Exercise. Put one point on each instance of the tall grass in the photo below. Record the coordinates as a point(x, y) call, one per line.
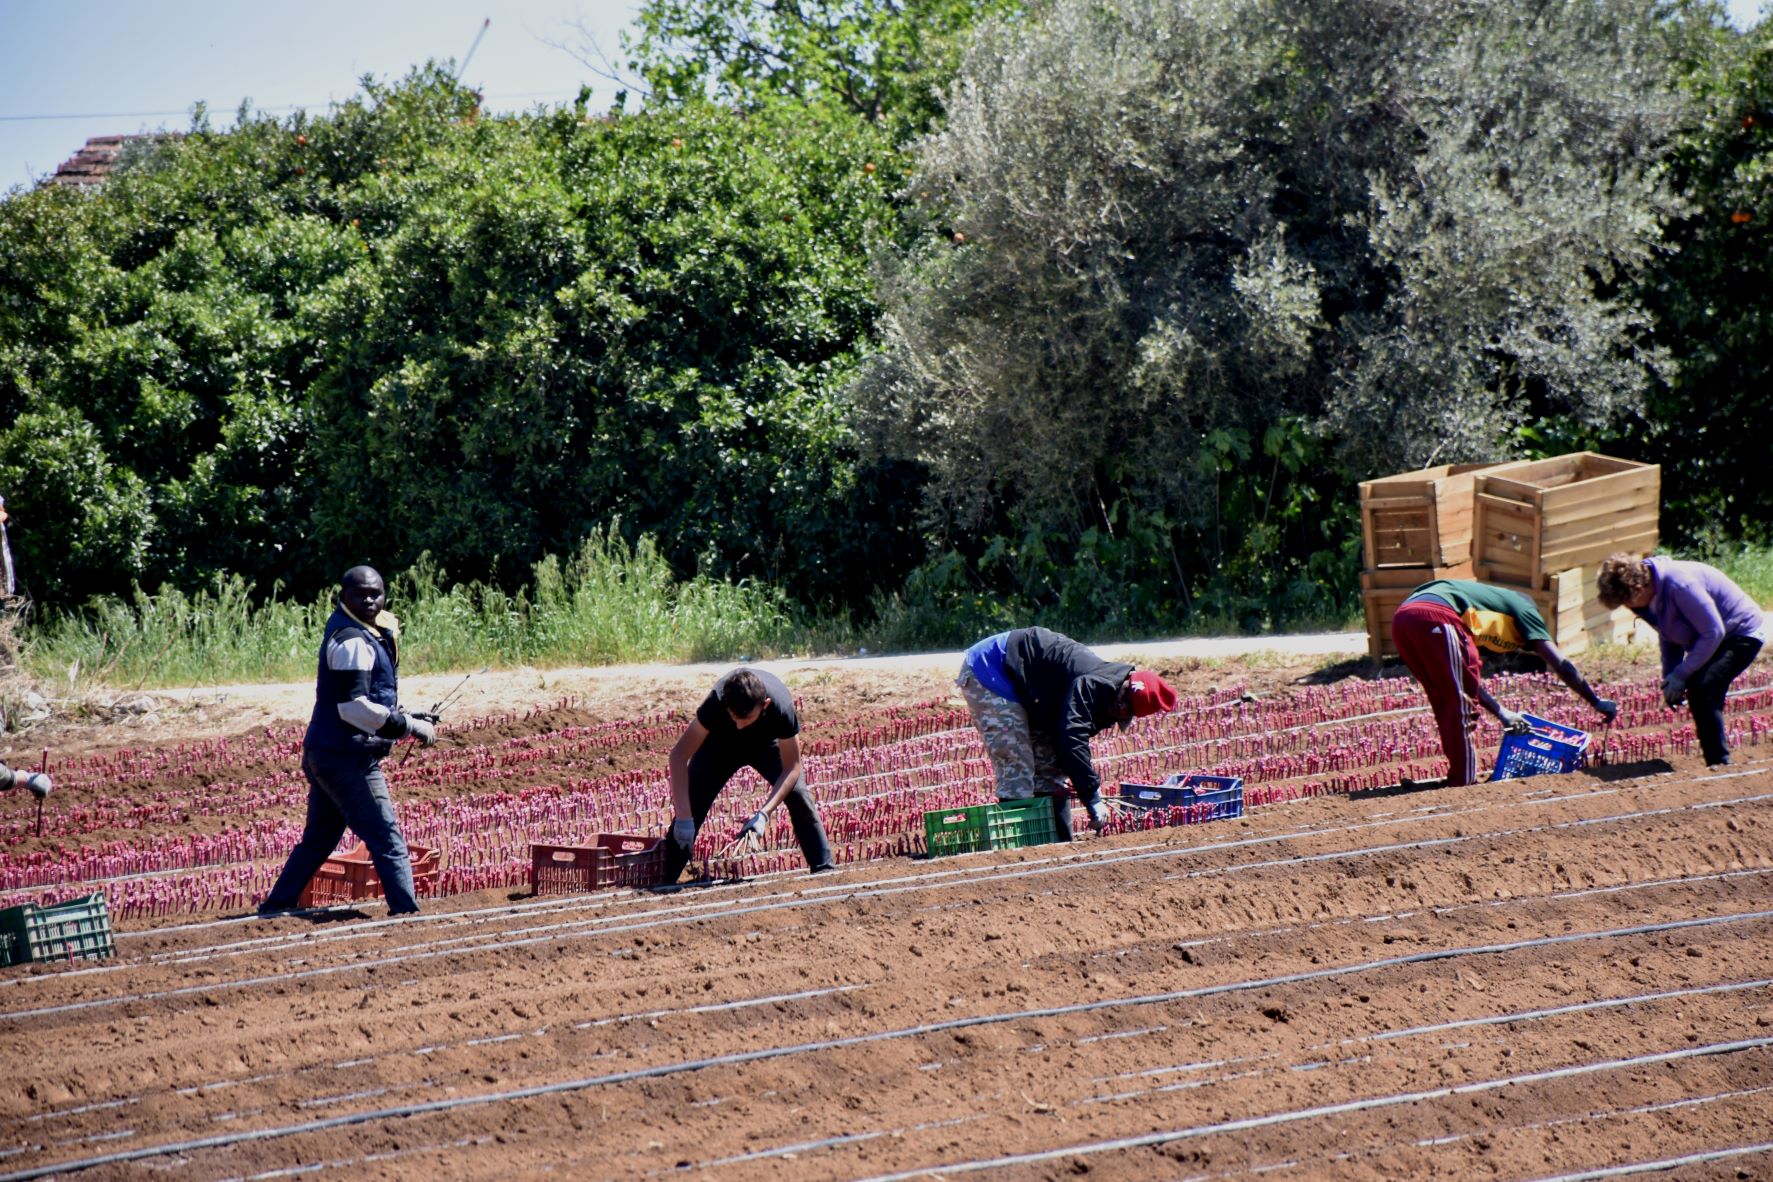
point(1751, 568)
point(609, 603)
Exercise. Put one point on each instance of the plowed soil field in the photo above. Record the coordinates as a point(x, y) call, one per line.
point(1568, 976)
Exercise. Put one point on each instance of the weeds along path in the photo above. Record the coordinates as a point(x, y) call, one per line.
point(1522, 980)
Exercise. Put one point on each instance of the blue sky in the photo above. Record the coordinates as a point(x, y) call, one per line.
point(138, 65)
point(103, 67)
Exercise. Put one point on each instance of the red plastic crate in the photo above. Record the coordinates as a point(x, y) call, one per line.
point(351, 876)
point(630, 861)
point(617, 860)
point(563, 869)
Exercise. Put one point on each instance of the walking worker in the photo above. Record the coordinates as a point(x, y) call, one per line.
point(747, 720)
point(1439, 629)
point(38, 782)
point(1709, 628)
point(356, 722)
point(1038, 698)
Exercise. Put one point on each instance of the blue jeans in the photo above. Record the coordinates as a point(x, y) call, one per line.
point(346, 788)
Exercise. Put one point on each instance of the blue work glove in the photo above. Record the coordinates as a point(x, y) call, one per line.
point(37, 782)
point(1514, 724)
point(1674, 690)
point(754, 827)
point(683, 832)
point(421, 729)
point(1608, 707)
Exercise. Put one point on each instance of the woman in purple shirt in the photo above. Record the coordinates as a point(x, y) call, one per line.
point(1710, 633)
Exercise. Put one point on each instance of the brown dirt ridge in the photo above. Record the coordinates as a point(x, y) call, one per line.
point(1528, 979)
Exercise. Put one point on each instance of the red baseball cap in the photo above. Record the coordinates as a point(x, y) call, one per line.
point(1150, 694)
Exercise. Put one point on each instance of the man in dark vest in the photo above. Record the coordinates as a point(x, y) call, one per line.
point(356, 721)
point(747, 720)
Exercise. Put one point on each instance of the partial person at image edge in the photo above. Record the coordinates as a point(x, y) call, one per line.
point(1709, 629)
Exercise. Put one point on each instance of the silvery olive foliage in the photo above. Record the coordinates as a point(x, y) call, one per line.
point(1155, 229)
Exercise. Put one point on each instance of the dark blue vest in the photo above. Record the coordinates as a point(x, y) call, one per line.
point(326, 730)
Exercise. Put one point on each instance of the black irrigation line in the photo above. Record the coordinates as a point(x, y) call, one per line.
point(751, 1002)
point(661, 1071)
point(438, 949)
point(561, 903)
point(1293, 1116)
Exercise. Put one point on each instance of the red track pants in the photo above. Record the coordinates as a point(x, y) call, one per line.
point(1436, 645)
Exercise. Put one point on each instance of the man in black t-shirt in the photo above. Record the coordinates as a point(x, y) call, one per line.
point(747, 720)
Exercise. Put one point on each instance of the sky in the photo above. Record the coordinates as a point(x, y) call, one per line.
point(70, 69)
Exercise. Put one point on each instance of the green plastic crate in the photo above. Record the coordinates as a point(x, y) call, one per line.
point(79, 929)
point(1005, 825)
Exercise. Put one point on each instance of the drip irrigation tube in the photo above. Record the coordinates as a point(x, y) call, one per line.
point(1322, 1110)
point(1661, 1165)
point(739, 1058)
point(445, 948)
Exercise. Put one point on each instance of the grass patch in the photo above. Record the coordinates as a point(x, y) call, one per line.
point(1751, 568)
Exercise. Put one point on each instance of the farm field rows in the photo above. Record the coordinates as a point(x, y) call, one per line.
point(1526, 979)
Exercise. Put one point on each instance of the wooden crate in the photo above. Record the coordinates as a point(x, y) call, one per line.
point(1540, 517)
point(1419, 519)
point(1573, 612)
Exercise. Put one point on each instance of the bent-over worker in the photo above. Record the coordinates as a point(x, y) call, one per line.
point(356, 721)
point(747, 720)
point(1709, 628)
point(1439, 629)
point(1038, 698)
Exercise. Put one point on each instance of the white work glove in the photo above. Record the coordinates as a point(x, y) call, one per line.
point(1514, 724)
point(1098, 811)
point(754, 827)
point(683, 832)
point(38, 782)
point(425, 732)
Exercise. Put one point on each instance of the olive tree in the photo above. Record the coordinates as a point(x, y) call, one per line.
point(1170, 243)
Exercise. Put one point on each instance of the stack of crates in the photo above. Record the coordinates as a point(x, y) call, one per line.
point(1415, 527)
point(1542, 527)
point(1001, 826)
point(79, 929)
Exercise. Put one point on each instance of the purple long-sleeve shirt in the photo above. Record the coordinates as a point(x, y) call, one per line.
point(1693, 608)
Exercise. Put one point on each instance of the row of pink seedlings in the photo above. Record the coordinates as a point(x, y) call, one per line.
point(1315, 743)
point(1626, 746)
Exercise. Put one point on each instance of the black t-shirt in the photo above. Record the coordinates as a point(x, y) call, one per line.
point(778, 720)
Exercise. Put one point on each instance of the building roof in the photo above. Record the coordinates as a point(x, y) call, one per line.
point(97, 159)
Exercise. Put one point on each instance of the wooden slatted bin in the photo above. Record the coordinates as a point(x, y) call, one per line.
point(1384, 589)
point(1538, 518)
point(1420, 519)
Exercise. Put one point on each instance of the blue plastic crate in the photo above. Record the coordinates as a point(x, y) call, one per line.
point(1208, 797)
point(1550, 749)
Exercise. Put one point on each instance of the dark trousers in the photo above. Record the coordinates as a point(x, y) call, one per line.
point(346, 788)
point(711, 767)
point(1707, 688)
